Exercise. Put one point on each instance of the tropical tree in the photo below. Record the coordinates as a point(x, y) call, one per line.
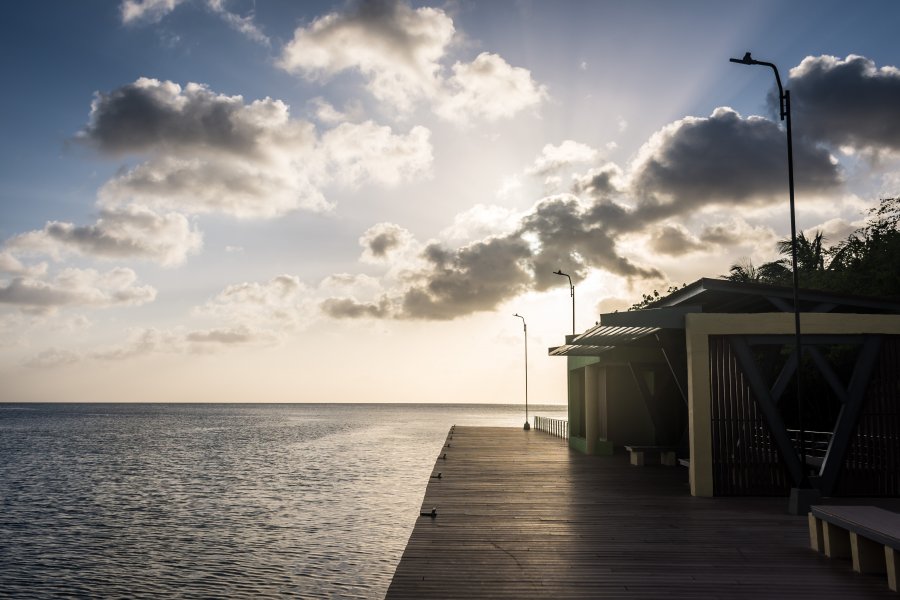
point(866, 263)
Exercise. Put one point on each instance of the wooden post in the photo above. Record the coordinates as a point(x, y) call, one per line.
point(868, 556)
point(815, 534)
point(892, 565)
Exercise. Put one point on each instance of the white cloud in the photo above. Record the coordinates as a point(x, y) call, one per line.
point(125, 232)
point(361, 152)
point(509, 186)
point(327, 113)
point(555, 158)
point(208, 152)
point(278, 304)
point(398, 50)
point(135, 12)
point(479, 222)
point(146, 11)
point(143, 341)
point(52, 358)
point(834, 230)
point(488, 88)
point(11, 265)
point(77, 287)
point(235, 187)
point(203, 341)
point(394, 46)
point(243, 25)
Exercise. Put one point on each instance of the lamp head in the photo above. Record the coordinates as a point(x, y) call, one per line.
point(747, 60)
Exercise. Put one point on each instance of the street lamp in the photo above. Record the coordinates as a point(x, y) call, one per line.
point(784, 102)
point(572, 292)
point(525, 329)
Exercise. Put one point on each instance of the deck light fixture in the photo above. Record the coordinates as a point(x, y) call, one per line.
point(784, 102)
point(572, 293)
point(525, 329)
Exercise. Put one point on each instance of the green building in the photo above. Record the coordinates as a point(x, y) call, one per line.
point(710, 372)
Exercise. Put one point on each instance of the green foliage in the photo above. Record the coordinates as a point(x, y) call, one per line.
point(866, 263)
point(648, 299)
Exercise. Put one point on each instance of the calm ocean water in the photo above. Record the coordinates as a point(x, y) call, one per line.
point(163, 500)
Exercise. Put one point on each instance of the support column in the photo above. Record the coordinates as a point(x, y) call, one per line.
point(699, 411)
point(591, 409)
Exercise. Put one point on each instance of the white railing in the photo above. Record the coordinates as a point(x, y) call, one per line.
point(557, 427)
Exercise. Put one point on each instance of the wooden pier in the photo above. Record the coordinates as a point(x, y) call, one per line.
point(519, 515)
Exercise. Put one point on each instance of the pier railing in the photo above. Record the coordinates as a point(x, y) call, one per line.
point(557, 427)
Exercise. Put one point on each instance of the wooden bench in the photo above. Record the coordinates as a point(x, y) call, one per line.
point(868, 535)
point(666, 454)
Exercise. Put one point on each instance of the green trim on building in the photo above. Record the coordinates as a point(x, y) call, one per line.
point(577, 362)
point(602, 447)
point(579, 444)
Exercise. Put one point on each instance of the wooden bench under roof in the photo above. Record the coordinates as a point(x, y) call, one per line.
point(638, 454)
point(868, 535)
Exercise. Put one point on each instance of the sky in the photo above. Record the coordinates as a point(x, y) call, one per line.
point(277, 201)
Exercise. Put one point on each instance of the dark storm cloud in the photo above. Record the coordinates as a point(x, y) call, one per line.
point(578, 238)
point(847, 101)
point(598, 182)
point(687, 166)
point(696, 162)
point(148, 114)
point(558, 233)
point(470, 279)
point(382, 239)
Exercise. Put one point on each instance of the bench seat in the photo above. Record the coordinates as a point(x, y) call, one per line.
point(868, 535)
point(666, 454)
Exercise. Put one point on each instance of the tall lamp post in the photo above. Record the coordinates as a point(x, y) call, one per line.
point(525, 329)
point(784, 101)
point(572, 292)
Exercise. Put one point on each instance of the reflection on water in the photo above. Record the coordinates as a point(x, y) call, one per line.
point(215, 500)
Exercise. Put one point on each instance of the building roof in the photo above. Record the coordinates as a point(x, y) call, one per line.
point(723, 295)
point(640, 328)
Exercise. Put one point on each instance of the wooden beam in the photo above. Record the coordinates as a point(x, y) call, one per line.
point(849, 414)
point(763, 398)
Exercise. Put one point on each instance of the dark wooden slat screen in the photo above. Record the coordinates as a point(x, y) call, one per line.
point(872, 464)
point(745, 459)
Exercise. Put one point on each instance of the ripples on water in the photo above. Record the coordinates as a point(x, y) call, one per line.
point(215, 500)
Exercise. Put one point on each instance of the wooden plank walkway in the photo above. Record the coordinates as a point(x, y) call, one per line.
point(519, 515)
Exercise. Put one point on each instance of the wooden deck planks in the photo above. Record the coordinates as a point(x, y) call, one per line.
point(519, 515)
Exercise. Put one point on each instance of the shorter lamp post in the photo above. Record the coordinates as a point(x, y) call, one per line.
point(525, 329)
point(572, 293)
